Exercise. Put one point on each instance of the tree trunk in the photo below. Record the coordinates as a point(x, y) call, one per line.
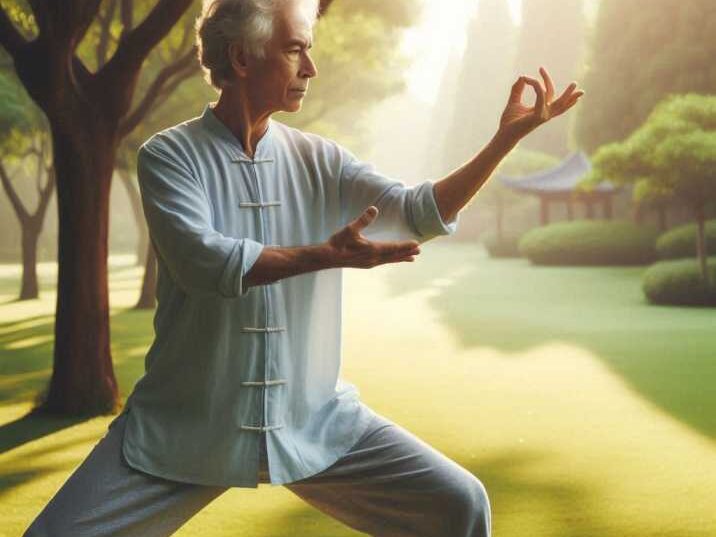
point(701, 244)
point(29, 288)
point(637, 214)
point(663, 223)
point(544, 213)
point(608, 207)
point(89, 112)
point(148, 296)
point(83, 381)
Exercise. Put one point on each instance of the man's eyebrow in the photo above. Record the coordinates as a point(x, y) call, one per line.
point(300, 42)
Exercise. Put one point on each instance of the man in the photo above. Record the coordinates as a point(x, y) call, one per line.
point(252, 222)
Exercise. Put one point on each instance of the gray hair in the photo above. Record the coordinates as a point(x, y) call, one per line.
point(225, 22)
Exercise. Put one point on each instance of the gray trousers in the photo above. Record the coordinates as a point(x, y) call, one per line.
point(390, 483)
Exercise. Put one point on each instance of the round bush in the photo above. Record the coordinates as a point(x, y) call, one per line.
point(680, 241)
point(590, 242)
point(507, 247)
point(679, 282)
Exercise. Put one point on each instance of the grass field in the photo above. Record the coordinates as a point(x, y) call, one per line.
point(584, 410)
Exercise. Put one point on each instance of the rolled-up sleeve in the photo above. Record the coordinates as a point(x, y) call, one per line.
point(201, 260)
point(405, 212)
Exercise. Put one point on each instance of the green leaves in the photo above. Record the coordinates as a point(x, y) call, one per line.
point(672, 153)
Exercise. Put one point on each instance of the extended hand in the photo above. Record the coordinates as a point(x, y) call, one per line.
point(351, 249)
point(519, 120)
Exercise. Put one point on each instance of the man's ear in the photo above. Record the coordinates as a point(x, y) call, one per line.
point(238, 60)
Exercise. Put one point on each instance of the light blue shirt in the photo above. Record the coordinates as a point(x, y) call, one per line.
point(229, 361)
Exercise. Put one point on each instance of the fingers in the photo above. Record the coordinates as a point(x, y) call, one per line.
point(386, 249)
point(548, 84)
point(394, 252)
point(517, 89)
point(543, 104)
point(566, 100)
point(539, 104)
point(399, 257)
point(565, 96)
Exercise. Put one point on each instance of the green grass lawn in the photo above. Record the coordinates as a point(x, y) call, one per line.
point(584, 410)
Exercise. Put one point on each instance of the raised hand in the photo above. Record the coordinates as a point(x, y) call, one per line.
point(351, 249)
point(519, 120)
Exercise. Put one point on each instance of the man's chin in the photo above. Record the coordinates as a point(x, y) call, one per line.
point(294, 107)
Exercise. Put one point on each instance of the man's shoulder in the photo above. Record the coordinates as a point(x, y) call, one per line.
point(309, 144)
point(182, 134)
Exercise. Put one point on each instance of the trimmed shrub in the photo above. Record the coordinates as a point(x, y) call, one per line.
point(680, 241)
point(679, 282)
point(507, 247)
point(590, 242)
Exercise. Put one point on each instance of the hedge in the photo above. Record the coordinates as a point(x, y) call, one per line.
point(507, 247)
point(590, 242)
point(680, 242)
point(679, 282)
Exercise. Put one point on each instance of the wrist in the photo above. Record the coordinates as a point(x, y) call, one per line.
point(505, 140)
point(324, 256)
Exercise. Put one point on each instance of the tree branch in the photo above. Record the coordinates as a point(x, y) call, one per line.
point(17, 206)
point(119, 75)
point(169, 87)
point(40, 168)
point(41, 15)
point(10, 38)
point(126, 15)
point(171, 75)
point(46, 193)
point(64, 23)
point(137, 43)
point(104, 34)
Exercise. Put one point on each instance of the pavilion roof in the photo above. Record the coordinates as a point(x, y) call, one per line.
point(562, 178)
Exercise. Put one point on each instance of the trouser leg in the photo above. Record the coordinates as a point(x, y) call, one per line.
point(392, 484)
point(105, 497)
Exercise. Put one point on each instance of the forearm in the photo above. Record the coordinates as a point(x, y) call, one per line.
point(453, 192)
point(276, 263)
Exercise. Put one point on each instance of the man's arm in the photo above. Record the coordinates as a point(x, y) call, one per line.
point(454, 191)
point(205, 262)
point(201, 260)
point(346, 248)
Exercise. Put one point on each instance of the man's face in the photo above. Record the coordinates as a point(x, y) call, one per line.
point(279, 81)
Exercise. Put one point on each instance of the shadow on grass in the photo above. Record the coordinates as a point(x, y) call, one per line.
point(666, 354)
point(31, 427)
point(13, 475)
point(26, 349)
point(26, 353)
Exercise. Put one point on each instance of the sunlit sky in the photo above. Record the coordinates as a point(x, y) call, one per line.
point(429, 43)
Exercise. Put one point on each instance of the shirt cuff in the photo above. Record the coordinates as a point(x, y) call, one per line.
point(426, 215)
point(242, 258)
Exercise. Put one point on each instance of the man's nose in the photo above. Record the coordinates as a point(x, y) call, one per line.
point(308, 67)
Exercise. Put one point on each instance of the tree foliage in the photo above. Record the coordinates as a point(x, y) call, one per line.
point(673, 154)
point(667, 47)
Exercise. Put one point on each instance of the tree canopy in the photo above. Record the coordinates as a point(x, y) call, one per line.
point(666, 48)
point(673, 154)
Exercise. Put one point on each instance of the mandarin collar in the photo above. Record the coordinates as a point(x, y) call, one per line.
point(232, 144)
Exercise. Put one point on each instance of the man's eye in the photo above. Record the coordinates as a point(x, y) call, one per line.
point(295, 51)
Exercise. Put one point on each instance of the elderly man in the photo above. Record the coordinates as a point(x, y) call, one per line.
point(252, 221)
